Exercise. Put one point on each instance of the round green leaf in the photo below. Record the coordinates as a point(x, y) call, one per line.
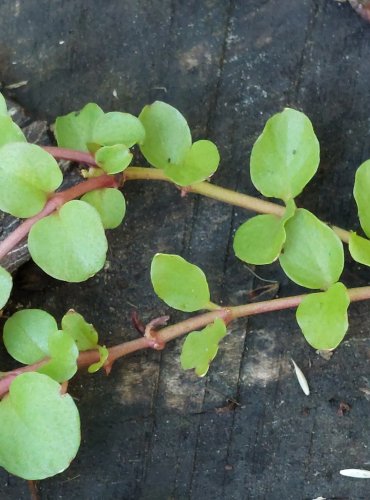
point(83, 333)
point(259, 240)
point(167, 135)
point(6, 285)
point(70, 244)
point(113, 159)
point(27, 333)
point(74, 131)
point(104, 353)
point(9, 131)
point(286, 155)
point(200, 348)
point(63, 352)
point(180, 284)
point(109, 203)
point(322, 317)
point(40, 428)
point(200, 162)
point(118, 128)
point(361, 192)
point(3, 108)
point(313, 254)
point(28, 175)
point(359, 248)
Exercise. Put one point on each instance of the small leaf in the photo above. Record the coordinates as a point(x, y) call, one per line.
point(323, 318)
point(28, 175)
point(27, 333)
point(113, 159)
point(361, 193)
point(74, 131)
point(110, 205)
point(40, 428)
point(104, 353)
point(357, 473)
point(313, 254)
point(286, 155)
point(9, 131)
point(201, 161)
point(6, 285)
point(82, 332)
point(118, 128)
point(69, 245)
point(178, 283)
point(63, 353)
point(3, 108)
point(200, 348)
point(301, 378)
point(359, 248)
point(259, 240)
point(167, 135)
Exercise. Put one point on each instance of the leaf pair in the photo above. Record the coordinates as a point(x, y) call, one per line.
point(168, 146)
point(108, 135)
point(183, 286)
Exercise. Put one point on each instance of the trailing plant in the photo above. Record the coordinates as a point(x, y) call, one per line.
point(40, 428)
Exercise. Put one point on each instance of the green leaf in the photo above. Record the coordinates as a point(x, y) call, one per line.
point(167, 135)
point(361, 192)
point(118, 128)
point(63, 352)
point(83, 333)
point(6, 285)
point(9, 131)
point(104, 353)
point(178, 283)
point(40, 428)
point(109, 203)
point(313, 254)
point(113, 159)
point(27, 333)
point(259, 240)
point(200, 348)
point(290, 210)
point(69, 245)
point(286, 155)
point(359, 248)
point(322, 317)
point(75, 130)
point(28, 175)
point(201, 161)
point(3, 108)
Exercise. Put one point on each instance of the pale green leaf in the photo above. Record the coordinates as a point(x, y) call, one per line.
point(6, 285)
point(3, 107)
point(113, 159)
point(286, 155)
point(200, 162)
point(200, 347)
point(82, 332)
point(322, 317)
point(40, 428)
point(180, 284)
point(70, 244)
point(63, 352)
point(109, 203)
point(313, 254)
point(167, 135)
point(260, 239)
point(28, 175)
point(118, 128)
point(27, 333)
point(104, 353)
point(9, 131)
point(361, 192)
point(74, 131)
point(359, 248)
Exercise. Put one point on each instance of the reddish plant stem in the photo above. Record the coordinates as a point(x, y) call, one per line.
point(55, 202)
point(171, 332)
point(70, 155)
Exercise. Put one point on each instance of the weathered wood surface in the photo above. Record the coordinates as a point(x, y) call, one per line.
point(151, 431)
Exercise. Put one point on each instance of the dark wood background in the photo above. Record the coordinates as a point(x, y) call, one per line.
point(150, 430)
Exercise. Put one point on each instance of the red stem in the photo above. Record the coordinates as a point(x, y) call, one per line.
point(70, 155)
